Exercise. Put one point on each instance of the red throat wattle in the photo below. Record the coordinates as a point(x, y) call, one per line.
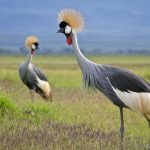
point(69, 40)
point(33, 52)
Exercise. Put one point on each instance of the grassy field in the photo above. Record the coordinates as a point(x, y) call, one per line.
point(76, 118)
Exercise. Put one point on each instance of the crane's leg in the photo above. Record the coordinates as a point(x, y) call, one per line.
point(148, 122)
point(121, 124)
point(32, 95)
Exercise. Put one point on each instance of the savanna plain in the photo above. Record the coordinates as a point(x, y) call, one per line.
point(77, 118)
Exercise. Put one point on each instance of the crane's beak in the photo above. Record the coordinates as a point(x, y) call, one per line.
point(60, 30)
point(37, 48)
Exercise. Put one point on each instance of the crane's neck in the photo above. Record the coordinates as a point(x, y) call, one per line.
point(24, 67)
point(81, 59)
point(28, 60)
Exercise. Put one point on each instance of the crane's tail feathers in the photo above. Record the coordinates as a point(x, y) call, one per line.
point(72, 17)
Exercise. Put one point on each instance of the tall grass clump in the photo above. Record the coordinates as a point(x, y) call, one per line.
point(8, 107)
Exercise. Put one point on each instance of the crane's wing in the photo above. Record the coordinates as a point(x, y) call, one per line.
point(131, 89)
point(125, 80)
point(39, 73)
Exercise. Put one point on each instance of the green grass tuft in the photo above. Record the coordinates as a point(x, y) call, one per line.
point(8, 107)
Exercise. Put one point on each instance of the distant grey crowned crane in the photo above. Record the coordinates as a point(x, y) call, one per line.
point(122, 87)
point(32, 76)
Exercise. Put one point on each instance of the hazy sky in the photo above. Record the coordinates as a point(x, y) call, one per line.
point(110, 23)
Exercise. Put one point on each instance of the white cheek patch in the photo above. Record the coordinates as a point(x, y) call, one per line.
point(67, 30)
point(33, 46)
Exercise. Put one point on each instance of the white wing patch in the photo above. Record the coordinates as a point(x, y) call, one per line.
point(136, 101)
point(44, 85)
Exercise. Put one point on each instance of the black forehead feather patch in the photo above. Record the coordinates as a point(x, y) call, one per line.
point(63, 24)
point(36, 44)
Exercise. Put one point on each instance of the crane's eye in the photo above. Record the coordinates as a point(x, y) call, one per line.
point(33, 46)
point(67, 29)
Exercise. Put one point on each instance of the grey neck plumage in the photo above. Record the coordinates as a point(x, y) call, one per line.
point(28, 60)
point(90, 70)
point(81, 59)
point(26, 63)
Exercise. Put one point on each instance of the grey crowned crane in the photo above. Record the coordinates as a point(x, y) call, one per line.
point(122, 87)
point(32, 76)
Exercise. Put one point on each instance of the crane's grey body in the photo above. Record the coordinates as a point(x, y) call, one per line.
point(31, 75)
point(28, 75)
point(104, 78)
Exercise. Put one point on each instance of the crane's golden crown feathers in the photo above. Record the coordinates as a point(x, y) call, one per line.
point(72, 17)
point(30, 40)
